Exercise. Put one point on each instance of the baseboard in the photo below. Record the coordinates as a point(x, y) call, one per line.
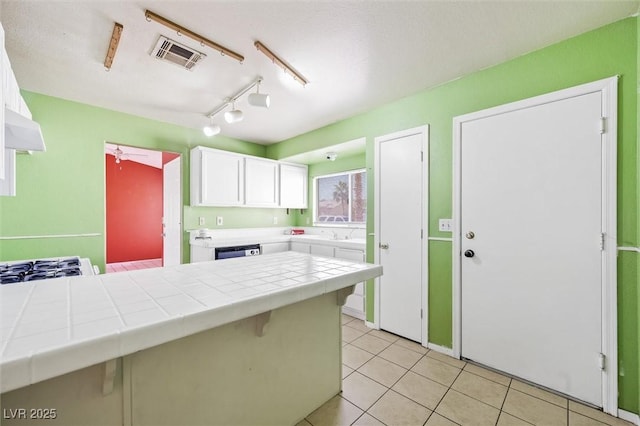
point(371, 325)
point(441, 349)
point(630, 417)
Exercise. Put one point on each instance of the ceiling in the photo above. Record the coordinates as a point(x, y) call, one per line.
point(147, 157)
point(356, 54)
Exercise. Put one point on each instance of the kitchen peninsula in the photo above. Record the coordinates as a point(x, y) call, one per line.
point(254, 340)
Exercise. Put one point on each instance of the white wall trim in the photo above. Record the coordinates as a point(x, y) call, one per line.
point(630, 417)
point(37, 237)
point(424, 131)
point(632, 249)
point(440, 239)
point(441, 349)
point(609, 89)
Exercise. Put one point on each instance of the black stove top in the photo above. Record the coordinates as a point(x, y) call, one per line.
point(32, 270)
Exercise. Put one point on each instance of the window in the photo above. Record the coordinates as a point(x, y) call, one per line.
point(341, 199)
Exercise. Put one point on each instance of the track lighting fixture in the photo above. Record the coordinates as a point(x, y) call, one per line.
point(235, 115)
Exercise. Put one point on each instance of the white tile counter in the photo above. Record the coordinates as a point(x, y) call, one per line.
point(49, 328)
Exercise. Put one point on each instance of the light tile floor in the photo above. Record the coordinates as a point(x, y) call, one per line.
point(391, 381)
point(133, 265)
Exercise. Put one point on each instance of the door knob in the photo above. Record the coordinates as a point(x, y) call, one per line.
point(383, 246)
point(470, 235)
point(469, 253)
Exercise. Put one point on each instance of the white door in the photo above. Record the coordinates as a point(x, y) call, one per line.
point(401, 207)
point(171, 206)
point(531, 292)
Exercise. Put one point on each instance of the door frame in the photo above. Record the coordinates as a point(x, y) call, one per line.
point(180, 198)
point(178, 205)
point(609, 89)
point(424, 268)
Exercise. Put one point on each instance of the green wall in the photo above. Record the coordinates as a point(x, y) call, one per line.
point(62, 190)
point(605, 52)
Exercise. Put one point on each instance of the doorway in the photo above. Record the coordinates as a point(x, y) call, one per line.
point(143, 208)
point(401, 208)
point(535, 241)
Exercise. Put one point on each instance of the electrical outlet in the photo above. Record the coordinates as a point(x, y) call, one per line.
point(201, 220)
point(275, 220)
point(444, 225)
point(219, 221)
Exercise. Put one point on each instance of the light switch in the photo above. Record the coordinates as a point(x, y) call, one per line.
point(201, 220)
point(444, 225)
point(275, 220)
point(219, 221)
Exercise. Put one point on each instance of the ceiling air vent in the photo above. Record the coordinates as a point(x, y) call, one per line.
point(176, 53)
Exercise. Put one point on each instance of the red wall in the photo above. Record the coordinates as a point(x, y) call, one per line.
point(134, 211)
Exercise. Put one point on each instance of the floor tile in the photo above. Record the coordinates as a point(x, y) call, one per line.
point(488, 374)
point(359, 325)
point(346, 371)
point(597, 414)
point(534, 410)
point(336, 411)
point(539, 393)
point(482, 389)
point(446, 359)
point(576, 419)
point(506, 419)
point(382, 371)
point(420, 389)
point(347, 319)
point(368, 420)
point(465, 410)
point(414, 346)
point(350, 334)
point(369, 343)
point(361, 390)
point(395, 409)
point(436, 370)
point(384, 335)
point(437, 420)
point(401, 356)
point(354, 357)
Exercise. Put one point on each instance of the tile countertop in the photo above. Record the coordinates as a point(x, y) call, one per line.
point(52, 327)
point(355, 243)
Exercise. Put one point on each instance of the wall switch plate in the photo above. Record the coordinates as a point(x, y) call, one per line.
point(444, 225)
point(219, 221)
point(275, 220)
point(308, 220)
point(201, 220)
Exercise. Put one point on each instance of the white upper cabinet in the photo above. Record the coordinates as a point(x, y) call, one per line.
point(293, 186)
point(262, 187)
point(3, 154)
point(222, 178)
point(217, 178)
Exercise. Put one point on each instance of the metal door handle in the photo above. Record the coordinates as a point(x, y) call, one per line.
point(469, 253)
point(383, 246)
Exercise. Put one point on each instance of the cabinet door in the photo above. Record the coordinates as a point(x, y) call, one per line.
point(217, 178)
point(300, 247)
point(293, 186)
point(3, 70)
point(262, 183)
point(269, 248)
point(321, 250)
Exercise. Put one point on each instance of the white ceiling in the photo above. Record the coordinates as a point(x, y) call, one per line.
point(356, 54)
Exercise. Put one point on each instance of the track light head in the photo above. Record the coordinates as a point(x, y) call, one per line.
point(233, 116)
point(259, 100)
point(211, 130)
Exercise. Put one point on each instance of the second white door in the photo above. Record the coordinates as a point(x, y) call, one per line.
point(401, 207)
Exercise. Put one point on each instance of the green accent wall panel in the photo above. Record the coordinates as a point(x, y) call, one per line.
point(440, 276)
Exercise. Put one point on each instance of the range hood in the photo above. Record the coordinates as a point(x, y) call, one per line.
point(21, 133)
